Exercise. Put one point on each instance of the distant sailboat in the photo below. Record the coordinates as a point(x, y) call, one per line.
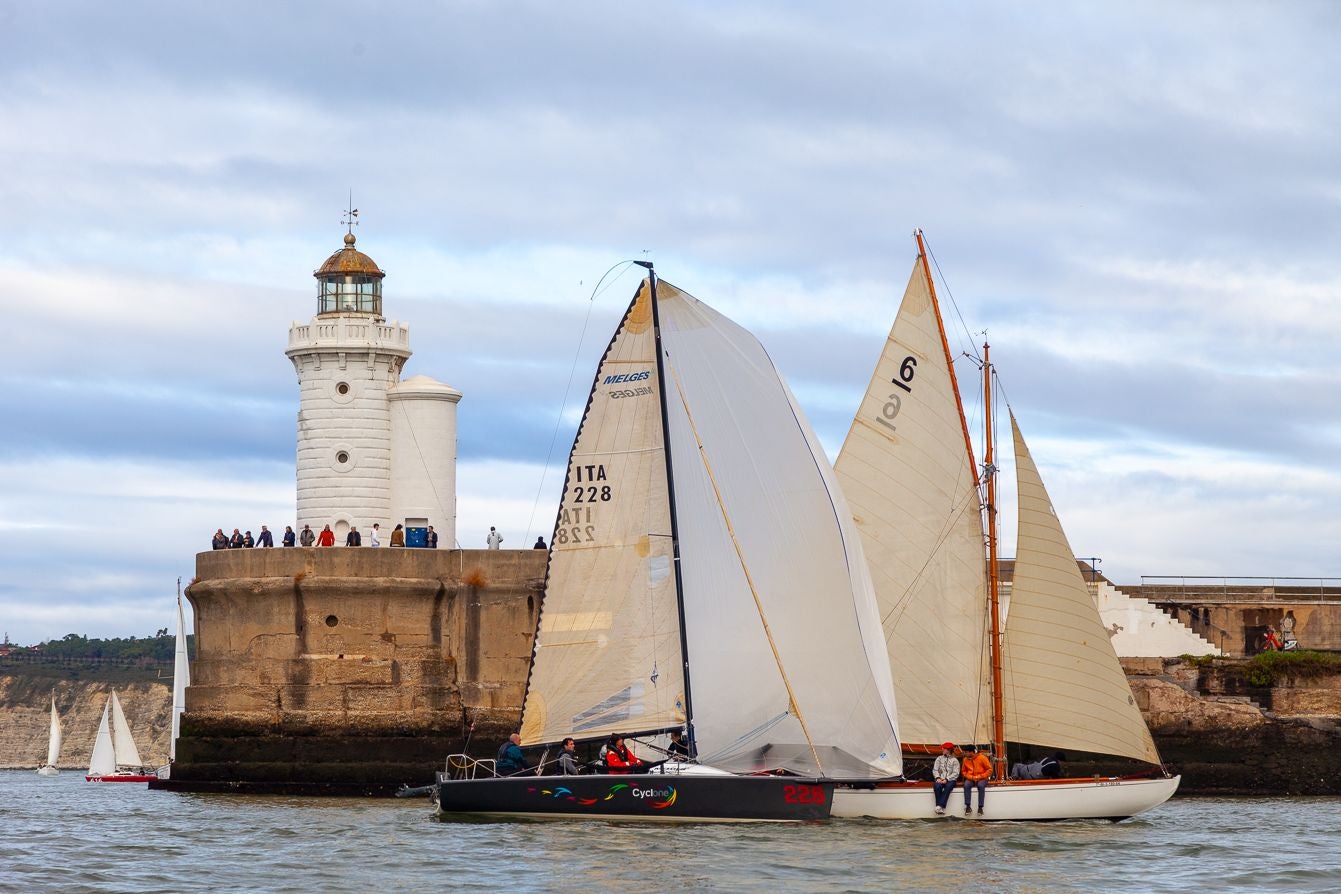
point(115, 757)
point(53, 743)
point(1049, 677)
point(181, 678)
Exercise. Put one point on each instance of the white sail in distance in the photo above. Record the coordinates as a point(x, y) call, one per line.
point(785, 656)
point(181, 678)
point(103, 760)
point(1063, 683)
point(127, 755)
point(906, 471)
point(54, 739)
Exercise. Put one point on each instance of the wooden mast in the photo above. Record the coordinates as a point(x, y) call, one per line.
point(993, 569)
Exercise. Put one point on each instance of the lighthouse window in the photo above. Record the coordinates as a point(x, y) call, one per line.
point(342, 457)
point(350, 294)
point(343, 388)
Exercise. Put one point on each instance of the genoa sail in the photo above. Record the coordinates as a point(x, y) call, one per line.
point(783, 652)
point(910, 481)
point(1063, 683)
point(127, 755)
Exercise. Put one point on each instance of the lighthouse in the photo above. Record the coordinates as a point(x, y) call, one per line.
point(371, 448)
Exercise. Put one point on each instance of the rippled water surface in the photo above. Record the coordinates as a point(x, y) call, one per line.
point(64, 834)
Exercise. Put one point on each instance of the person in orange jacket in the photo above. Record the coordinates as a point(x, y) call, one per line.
point(618, 758)
point(976, 770)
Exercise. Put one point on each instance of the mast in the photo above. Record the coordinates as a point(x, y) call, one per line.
point(674, 522)
point(993, 569)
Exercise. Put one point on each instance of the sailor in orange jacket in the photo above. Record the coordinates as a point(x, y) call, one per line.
point(618, 758)
point(976, 770)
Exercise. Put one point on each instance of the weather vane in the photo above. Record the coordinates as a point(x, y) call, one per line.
point(351, 218)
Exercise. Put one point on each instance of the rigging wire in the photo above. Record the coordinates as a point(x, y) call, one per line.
point(567, 389)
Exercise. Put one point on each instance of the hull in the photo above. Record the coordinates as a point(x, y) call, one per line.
point(1031, 800)
point(642, 796)
point(48, 771)
point(120, 777)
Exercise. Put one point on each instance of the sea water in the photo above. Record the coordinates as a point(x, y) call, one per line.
point(63, 834)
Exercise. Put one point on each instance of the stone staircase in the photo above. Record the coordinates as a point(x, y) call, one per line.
point(1140, 629)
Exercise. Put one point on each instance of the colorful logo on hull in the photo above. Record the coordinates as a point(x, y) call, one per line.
point(656, 798)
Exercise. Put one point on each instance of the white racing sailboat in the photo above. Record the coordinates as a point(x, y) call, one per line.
point(1050, 678)
point(704, 573)
point(53, 743)
point(115, 757)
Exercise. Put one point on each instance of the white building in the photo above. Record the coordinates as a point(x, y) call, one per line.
point(371, 448)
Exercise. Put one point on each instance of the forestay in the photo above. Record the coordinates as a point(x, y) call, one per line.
point(908, 476)
point(1064, 685)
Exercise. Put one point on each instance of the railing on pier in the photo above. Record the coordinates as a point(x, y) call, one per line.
point(1166, 587)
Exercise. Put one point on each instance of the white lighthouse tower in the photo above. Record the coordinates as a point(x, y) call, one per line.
point(371, 449)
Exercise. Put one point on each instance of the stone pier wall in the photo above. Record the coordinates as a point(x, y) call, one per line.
point(352, 669)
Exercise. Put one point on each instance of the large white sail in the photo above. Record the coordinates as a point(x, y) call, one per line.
point(1063, 684)
point(786, 659)
point(908, 476)
point(54, 739)
point(607, 654)
point(127, 755)
point(181, 678)
point(103, 760)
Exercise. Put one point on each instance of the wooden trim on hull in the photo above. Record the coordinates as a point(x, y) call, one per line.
point(644, 797)
point(1032, 800)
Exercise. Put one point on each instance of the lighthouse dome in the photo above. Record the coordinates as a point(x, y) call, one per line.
point(349, 282)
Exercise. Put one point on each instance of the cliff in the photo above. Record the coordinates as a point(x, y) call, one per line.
point(25, 703)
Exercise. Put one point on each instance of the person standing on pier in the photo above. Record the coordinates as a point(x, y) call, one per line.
point(220, 540)
point(944, 772)
point(353, 538)
point(308, 536)
point(266, 540)
point(327, 537)
point(494, 538)
point(375, 536)
point(431, 538)
point(288, 535)
point(398, 536)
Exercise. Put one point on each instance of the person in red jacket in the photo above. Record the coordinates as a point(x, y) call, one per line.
point(326, 537)
point(618, 758)
point(976, 770)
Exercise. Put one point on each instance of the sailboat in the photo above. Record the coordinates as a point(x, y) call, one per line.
point(927, 519)
point(181, 678)
point(115, 757)
point(53, 743)
point(704, 573)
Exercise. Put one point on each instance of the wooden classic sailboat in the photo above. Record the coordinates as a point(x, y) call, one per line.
point(704, 573)
point(1049, 677)
point(115, 757)
point(53, 743)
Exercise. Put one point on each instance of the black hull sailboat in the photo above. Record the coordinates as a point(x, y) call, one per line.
point(642, 796)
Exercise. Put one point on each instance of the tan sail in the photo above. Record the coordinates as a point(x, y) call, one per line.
point(906, 474)
point(1063, 685)
point(607, 654)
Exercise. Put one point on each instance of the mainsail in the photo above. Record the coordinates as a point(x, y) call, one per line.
point(54, 740)
point(1063, 684)
point(783, 662)
point(181, 678)
point(910, 481)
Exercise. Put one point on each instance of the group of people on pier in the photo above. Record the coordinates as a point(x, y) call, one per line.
point(307, 537)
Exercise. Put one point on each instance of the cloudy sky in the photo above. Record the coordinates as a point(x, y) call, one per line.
point(1139, 202)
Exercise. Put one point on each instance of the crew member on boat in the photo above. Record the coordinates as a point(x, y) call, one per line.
point(510, 760)
point(568, 765)
point(618, 758)
point(678, 749)
point(1049, 767)
point(977, 769)
point(944, 772)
